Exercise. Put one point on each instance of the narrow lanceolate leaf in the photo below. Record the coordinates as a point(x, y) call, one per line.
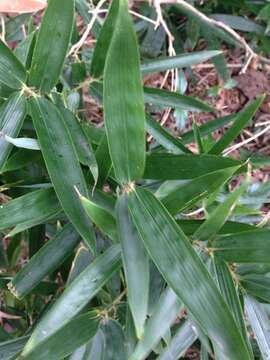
point(166, 98)
point(165, 312)
point(219, 216)
point(29, 210)
point(239, 124)
point(179, 61)
point(52, 44)
point(76, 296)
point(12, 114)
point(164, 166)
point(123, 101)
point(83, 147)
point(12, 72)
point(180, 343)
point(177, 197)
point(9, 349)
point(164, 138)
point(23, 143)
point(114, 341)
point(101, 217)
point(229, 291)
point(257, 286)
point(45, 261)
point(208, 127)
point(185, 273)
point(103, 42)
point(136, 266)
point(65, 340)
point(62, 164)
point(244, 247)
point(260, 325)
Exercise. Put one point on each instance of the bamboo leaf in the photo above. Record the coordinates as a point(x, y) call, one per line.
point(164, 314)
point(209, 127)
point(182, 268)
point(103, 42)
point(52, 44)
point(65, 340)
point(83, 146)
point(114, 341)
point(244, 247)
point(101, 217)
point(257, 285)
point(29, 210)
point(177, 197)
point(190, 226)
point(11, 348)
point(260, 324)
point(239, 124)
point(136, 266)
point(180, 343)
point(229, 292)
point(62, 164)
point(23, 143)
point(165, 139)
point(12, 114)
point(178, 61)
point(123, 101)
point(215, 221)
point(76, 296)
point(166, 98)
point(164, 166)
point(12, 72)
point(45, 261)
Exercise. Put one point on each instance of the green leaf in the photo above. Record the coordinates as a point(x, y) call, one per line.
point(114, 341)
point(165, 312)
point(183, 339)
point(29, 210)
point(52, 44)
point(229, 291)
point(12, 114)
point(101, 217)
point(20, 159)
point(164, 138)
point(76, 296)
point(10, 348)
point(244, 247)
point(239, 124)
point(198, 138)
point(136, 266)
point(12, 72)
point(65, 340)
point(177, 197)
point(62, 164)
point(23, 143)
point(208, 127)
point(217, 218)
point(178, 61)
point(190, 226)
point(45, 261)
point(260, 324)
point(182, 268)
point(167, 98)
point(123, 101)
point(103, 42)
point(83, 146)
point(239, 23)
point(24, 50)
point(257, 285)
point(164, 166)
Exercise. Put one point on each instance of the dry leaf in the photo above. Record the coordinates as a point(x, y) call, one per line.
point(21, 6)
